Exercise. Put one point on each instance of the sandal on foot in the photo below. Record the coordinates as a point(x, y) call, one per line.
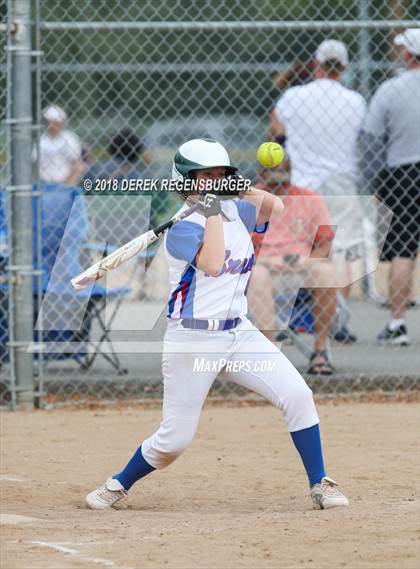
point(322, 367)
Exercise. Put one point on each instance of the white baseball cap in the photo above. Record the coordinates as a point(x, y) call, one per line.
point(410, 39)
point(55, 113)
point(332, 49)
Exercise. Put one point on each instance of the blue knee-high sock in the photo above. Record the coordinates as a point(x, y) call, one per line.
point(308, 444)
point(136, 468)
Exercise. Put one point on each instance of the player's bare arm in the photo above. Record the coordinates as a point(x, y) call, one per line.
point(212, 253)
point(267, 204)
point(77, 170)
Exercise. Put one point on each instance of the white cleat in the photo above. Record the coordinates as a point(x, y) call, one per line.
point(326, 495)
point(106, 496)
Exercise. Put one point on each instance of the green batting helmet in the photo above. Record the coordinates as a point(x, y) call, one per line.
point(200, 154)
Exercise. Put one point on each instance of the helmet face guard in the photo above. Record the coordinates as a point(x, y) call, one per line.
point(202, 154)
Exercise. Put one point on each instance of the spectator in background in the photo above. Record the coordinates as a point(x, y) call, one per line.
point(125, 151)
point(393, 126)
point(299, 73)
point(295, 248)
point(119, 218)
point(320, 123)
point(59, 150)
point(86, 155)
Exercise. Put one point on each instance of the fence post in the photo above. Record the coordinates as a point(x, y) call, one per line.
point(19, 122)
point(364, 49)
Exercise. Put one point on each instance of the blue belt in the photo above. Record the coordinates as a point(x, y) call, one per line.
point(210, 324)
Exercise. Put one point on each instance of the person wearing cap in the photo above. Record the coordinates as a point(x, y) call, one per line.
point(294, 253)
point(59, 150)
point(392, 133)
point(320, 123)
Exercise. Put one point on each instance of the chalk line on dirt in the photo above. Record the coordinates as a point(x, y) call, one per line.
point(76, 552)
point(6, 478)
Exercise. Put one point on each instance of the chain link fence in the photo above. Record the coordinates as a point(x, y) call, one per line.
point(117, 88)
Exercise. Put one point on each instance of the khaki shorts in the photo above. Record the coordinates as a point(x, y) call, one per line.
point(307, 273)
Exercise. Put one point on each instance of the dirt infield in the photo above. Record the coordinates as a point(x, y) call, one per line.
point(237, 498)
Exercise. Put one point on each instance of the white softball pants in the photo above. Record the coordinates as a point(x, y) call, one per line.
point(191, 361)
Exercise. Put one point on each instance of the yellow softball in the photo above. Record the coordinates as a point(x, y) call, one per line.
point(270, 154)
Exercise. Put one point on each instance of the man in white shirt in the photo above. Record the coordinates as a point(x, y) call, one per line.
point(393, 126)
point(321, 123)
point(59, 150)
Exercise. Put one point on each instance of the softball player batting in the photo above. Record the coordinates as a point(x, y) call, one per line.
point(210, 257)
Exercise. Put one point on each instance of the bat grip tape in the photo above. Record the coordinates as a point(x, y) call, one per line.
point(161, 228)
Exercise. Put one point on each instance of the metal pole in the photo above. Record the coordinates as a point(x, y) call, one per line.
point(368, 283)
point(39, 402)
point(364, 50)
point(237, 25)
point(20, 187)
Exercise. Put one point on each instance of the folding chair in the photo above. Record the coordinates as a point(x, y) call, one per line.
point(294, 316)
point(64, 226)
point(77, 343)
point(96, 310)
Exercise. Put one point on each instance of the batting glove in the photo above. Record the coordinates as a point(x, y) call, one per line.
point(209, 204)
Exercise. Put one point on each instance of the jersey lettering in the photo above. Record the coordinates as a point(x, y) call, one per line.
point(235, 266)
